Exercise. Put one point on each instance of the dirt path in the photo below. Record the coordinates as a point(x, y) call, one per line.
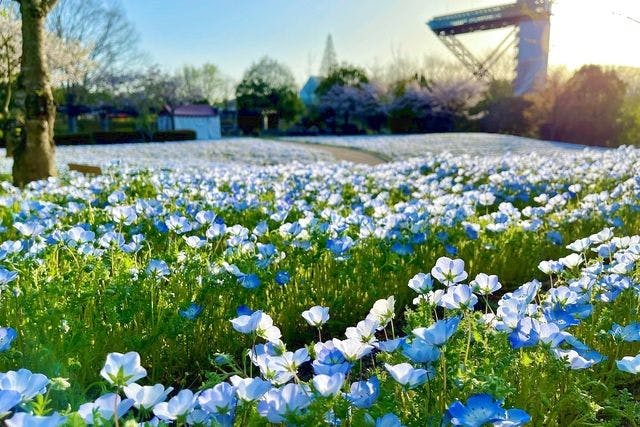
point(343, 153)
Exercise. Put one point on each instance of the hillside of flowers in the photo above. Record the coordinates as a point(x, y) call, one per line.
point(433, 291)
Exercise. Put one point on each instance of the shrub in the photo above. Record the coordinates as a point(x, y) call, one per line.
point(118, 137)
point(174, 135)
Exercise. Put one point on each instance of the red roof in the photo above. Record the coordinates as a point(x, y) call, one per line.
point(200, 110)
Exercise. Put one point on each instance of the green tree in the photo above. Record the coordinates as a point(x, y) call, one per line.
point(502, 111)
point(345, 75)
point(588, 109)
point(268, 88)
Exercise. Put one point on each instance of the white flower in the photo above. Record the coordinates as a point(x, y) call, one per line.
point(123, 369)
point(316, 316)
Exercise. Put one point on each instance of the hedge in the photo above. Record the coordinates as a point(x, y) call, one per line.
point(174, 135)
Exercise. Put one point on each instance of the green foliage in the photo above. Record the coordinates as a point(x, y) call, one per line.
point(346, 75)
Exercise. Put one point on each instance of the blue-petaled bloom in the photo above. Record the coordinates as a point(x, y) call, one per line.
point(402, 249)
point(23, 419)
point(363, 394)
point(525, 334)
point(24, 382)
point(629, 333)
point(8, 400)
point(191, 312)
point(146, 397)
point(278, 404)
point(629, 364)
point(7, 335)
point(282, 277)
point(243, 310)
point(388, 420)
point(123, 369)
point(249, 281)
point(407, 375)
point(421, 283)
point(339, 247)
point(106, 406)
point(459, 297)
point(158, 268)
point(438, 333)
point(7, 276)
point(554, 237)
point(221, 399)
point(482, 409)
point(250, 389)
point(449, 271)
point(316, 316)
point(421, 352)
point(328, 385)
point(178, 406)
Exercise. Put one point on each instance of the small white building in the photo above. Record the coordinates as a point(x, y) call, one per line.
point(204, 120)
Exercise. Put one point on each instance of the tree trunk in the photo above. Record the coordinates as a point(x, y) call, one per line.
point(34, 156)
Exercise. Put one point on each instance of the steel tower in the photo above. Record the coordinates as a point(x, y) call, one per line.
point(531, 25)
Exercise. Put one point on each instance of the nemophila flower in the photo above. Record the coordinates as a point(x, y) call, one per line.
point(104, 408)
point(364, 331)
point(221, 399)
point(177, 407)
point(7, 335)
point(243, 310)
point(421, 283)
point(24, 382)
point(329, 359)
point(402, 249)
point(580, 245)
point(23, 419)
point(279, 404)
point(571, 261)
point(290, 361)
point(340, 246)
point(525, 334)
point(438, 333)
point(486, 199)
point(629, 364)
point(250, 389)
point(316, 316)
point(205, 217)
point(328, 385)
point(158, 268)
point(363, 394)
point(550, 267)
point(8, 400)
point(482, 409)
point(216, 231)
point(449, 271)
point(450, 250)
point(146, 397)
point(471, 230)
point(418, 351)
point(351, 349)
point(383, 310)
point(408, 376)
point(247, 323)
point(554, 237)
point(178, 224)
point(125, 215)
point(248, 281)
point(191, 312)
point(458, 297)
point(602, 236)
point(7, 276)
point(629, 333)
point(282, 277)
point(484, 284)
point(123, 369)
point(580, 356)
point(195, 242)
point(390, 345)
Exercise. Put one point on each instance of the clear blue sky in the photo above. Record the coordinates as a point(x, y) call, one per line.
point(234, 33)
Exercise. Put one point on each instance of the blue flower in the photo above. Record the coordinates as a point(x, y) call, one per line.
point(249, 281)
point(629, 364)
point(402, 249)
point(554, 237)
point(244, 310)
point(339, 247)
point(438, 333)
point(282, 277)
point(191, 312)
point(407, 375)
point(7, 335)
point(629, 333)
point(363, 394)
point(483, 409)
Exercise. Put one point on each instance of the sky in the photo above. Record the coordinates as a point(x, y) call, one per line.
point(235, 33)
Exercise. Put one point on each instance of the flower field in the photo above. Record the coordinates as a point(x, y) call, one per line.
point(438, 290)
